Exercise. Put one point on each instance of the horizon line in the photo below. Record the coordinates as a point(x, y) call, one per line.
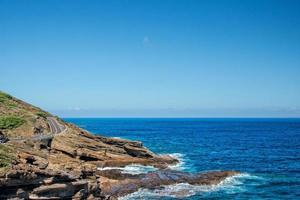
point(166, 117)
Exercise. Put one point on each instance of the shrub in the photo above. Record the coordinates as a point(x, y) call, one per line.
point(4, 97)
point(6, 156)
point(41, 114)
point(10, 122)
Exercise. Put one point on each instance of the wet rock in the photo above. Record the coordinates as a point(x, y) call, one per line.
point(81, 194)
point(21, 194)
point(120, 187)
point(115, 174)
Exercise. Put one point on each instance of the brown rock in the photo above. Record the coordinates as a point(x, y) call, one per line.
point(60, 190)
point(138, 152)
point(40, 162)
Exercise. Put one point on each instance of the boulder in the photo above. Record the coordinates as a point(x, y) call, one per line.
point(38, 130)
point(61, 190)
point(40, 162)
point(22, 194)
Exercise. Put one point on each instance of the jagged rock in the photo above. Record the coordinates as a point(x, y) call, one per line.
point(42, 163)
point(120, 142)
point(38, 130)
point(112, 186)
point(22, 194)
point(34, 176)
point(87, 155)
point(81, 194)
point(94, 189)
point(138, 152)
point(60, 190)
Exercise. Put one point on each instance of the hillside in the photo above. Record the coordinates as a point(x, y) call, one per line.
point(18, 118)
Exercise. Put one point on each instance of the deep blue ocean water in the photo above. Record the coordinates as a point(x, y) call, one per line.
point(266, 151)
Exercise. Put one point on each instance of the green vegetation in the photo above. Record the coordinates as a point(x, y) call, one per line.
point(6, 155)
point(11, 105)
point(6, 100)
point(10, 122)
point(42, 114)
point(4, 97)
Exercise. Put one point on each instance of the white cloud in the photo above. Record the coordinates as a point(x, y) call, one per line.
point(147, 41)
point(74, 108)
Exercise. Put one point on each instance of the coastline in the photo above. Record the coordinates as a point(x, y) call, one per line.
point(66, 165)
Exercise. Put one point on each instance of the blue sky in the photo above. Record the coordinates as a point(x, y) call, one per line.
point(153, 58)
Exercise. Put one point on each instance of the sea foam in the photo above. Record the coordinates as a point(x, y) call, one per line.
point(132, 169)
point(140, 169)
point(180, 166)
point(233, 184)
point(184, 164)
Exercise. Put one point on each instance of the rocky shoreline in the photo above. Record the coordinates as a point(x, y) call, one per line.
point(66, 165)
point(34, 176)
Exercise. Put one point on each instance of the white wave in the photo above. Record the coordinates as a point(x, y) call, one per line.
point(132, 169)
point(233, 184)
point(117, 138)
point(140, 169)
point(181, 165)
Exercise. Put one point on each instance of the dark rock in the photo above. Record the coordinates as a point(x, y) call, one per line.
point(81, 194)
point(22, 194)
point(3, 138)
point(120, 187)
point(38, 130)
point(115, 174)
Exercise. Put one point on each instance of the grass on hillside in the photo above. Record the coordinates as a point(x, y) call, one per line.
point(4, 97)
point(41, 114)
point(6, 100)
point(6, 155)
point(10, 122)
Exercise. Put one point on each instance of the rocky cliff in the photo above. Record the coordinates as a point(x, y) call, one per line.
point(38, 162)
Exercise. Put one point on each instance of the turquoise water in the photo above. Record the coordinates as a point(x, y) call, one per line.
point(266, 151)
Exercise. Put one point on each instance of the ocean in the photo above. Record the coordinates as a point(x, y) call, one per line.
point(265, 151)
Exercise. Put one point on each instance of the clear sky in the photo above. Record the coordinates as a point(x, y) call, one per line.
point(153, 58)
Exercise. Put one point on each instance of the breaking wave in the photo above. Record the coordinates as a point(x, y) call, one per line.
point(132, 169)
point(184, 163)
point(180, 166)
point(231, 185)
point(118, 138)
point(140, 169)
